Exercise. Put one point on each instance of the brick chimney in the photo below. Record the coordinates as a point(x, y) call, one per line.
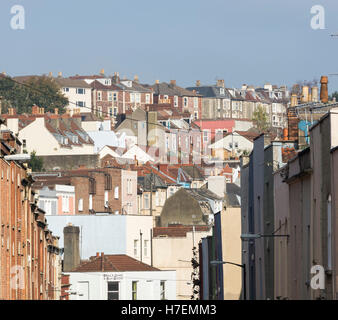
point(198, 83)
point(59, 74)
point(71, 258)
point(324, 97)
point(157, 81)
point(35, 109)
point(102, 72)
point(173, 82)
point(220, 83)
point(136, 78)
point(50, 74)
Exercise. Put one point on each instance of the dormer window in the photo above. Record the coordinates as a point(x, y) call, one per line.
point(221, 91)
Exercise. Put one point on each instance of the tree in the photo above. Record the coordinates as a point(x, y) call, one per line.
point(41, 91)
point(196, 283)
point(35, 163)
point(334, 95)
point(260, 119)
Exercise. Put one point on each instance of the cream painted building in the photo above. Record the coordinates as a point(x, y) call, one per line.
point(232, 252)
point(37, 137)
point(173, 250)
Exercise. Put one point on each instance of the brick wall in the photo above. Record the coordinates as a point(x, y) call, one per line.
point(25, 241)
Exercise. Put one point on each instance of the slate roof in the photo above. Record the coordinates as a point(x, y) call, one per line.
point(145, 182)
point(211, 92)
point(202, 194)
point(113, 263)
point(193, 172)
point(164, 88)
point(100, 86)
point(233, 195)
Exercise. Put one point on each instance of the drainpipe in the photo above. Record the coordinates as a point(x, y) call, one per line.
point(141, 245)
point(151, 247)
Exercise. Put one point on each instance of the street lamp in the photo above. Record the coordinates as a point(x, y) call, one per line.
point(217, 262)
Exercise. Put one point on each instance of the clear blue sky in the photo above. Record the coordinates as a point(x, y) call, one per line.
point(242, 41)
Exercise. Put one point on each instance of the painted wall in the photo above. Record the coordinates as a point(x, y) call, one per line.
point(175, 253)
point(94, 285)
point(113, 234)
point(232, 251)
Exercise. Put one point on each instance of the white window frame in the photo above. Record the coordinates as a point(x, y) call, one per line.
point(116, 192)
point(80, 205)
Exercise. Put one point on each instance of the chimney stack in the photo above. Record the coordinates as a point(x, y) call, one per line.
point(11, 111)
point(305, 94)
point(60, 74)
point(173, 82)
point(324, 97)
point(35, 110)
point(220, 83)
point(50, 75)
point(136, 78)
point(314, 94)
point(198, 83)
point(294, 100)
point(71, 258)
point(102, 72)
point(157, 81)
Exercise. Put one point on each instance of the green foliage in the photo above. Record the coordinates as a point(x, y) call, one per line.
point(35, 163)
point(41, 91)
point(260, 119)
point(334, 95)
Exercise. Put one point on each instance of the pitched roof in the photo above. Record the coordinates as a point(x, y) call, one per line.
point(164, 88)
point(211, 91)
point(113, 263)
point(74, 83)
point(100, 86)
point(193, 172)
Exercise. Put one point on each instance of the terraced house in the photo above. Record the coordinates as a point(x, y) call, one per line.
point(178, 97)
point(30, 264)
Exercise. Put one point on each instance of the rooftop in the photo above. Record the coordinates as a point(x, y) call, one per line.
point(112, 263)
